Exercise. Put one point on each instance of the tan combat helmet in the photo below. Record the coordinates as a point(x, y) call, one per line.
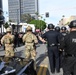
point(8, 29)
point(29, 28)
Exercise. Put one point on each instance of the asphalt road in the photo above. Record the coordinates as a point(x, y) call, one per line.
point(41, 59)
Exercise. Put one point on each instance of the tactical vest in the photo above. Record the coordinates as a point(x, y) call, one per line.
point(29, 38)
point(7, 40)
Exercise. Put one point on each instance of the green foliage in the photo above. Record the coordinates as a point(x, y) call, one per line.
point(37, 13)
point(39, 24)
point(26, 18)
point(10, 20)
point(6, 25)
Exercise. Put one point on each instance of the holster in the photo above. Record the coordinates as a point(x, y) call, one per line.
point(63, 53)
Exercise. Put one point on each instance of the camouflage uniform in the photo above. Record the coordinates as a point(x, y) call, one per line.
point(7, 41)
point(30, 39)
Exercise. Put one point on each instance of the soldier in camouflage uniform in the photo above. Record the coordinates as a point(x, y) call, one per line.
point(7, 40)
point(30, 40)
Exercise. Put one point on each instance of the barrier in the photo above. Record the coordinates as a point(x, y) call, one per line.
point(17, 67)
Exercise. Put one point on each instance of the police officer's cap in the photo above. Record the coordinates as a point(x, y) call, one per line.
point(29, 28)
point(8, 29)
point(72, 24)
point(50, 26)
point(57, 28)
point(63, 28)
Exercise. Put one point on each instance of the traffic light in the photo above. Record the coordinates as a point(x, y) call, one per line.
point(47, 14)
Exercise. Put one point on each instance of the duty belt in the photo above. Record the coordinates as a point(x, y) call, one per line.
point(53, 45)
point(70, 55)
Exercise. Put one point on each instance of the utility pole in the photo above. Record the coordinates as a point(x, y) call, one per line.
point(18, 14)
point(17, 19)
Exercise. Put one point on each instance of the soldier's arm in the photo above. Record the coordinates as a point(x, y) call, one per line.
point(2, 40)
point(24, 38)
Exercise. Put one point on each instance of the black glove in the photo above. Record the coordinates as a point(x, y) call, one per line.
point(63, 53)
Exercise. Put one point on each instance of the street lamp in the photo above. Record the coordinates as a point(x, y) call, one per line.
point(18, 14)
point(41, 20)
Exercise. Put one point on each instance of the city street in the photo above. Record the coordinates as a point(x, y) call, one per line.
point(41, 59)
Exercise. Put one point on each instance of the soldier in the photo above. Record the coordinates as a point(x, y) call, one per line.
point(8, 40)
point(30, 40)
point(53, 53)
point(69, 46)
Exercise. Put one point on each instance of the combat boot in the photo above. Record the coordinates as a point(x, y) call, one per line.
point(25, 61)
point(6, 60)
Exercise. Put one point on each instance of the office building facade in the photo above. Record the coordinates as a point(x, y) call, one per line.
point(19, 7)
point(0, 4)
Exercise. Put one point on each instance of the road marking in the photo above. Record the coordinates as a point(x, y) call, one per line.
point(40, 70)
point(44, 71)
point(44, 66)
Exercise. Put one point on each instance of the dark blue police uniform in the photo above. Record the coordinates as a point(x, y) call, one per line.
point(69, 46)
point(53, 52)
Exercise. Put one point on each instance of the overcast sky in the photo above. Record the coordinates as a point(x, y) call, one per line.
point(56, 9)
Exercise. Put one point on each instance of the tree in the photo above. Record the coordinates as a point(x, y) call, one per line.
point(10, 20)
point(26, 18)
point(39, 24)
point(6, 25)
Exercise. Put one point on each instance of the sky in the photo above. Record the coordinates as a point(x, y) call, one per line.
point(56, 9)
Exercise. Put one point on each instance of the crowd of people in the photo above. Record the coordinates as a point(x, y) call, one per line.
point(61, 46)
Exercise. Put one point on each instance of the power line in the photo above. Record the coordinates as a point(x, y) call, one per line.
point(62, 9)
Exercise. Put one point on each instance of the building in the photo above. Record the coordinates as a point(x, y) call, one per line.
point(19, 7)
point(72, 18)
point(30, 7)
point(14, 10)
point(0, 4)
point(65, 21)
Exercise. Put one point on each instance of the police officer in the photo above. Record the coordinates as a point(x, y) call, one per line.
point(61, 34)
point(30, 40)
point(8, 40)
point(53, 53)
point(63, 31)
point(16, 40)
point(69, 46)
point(57, 28)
